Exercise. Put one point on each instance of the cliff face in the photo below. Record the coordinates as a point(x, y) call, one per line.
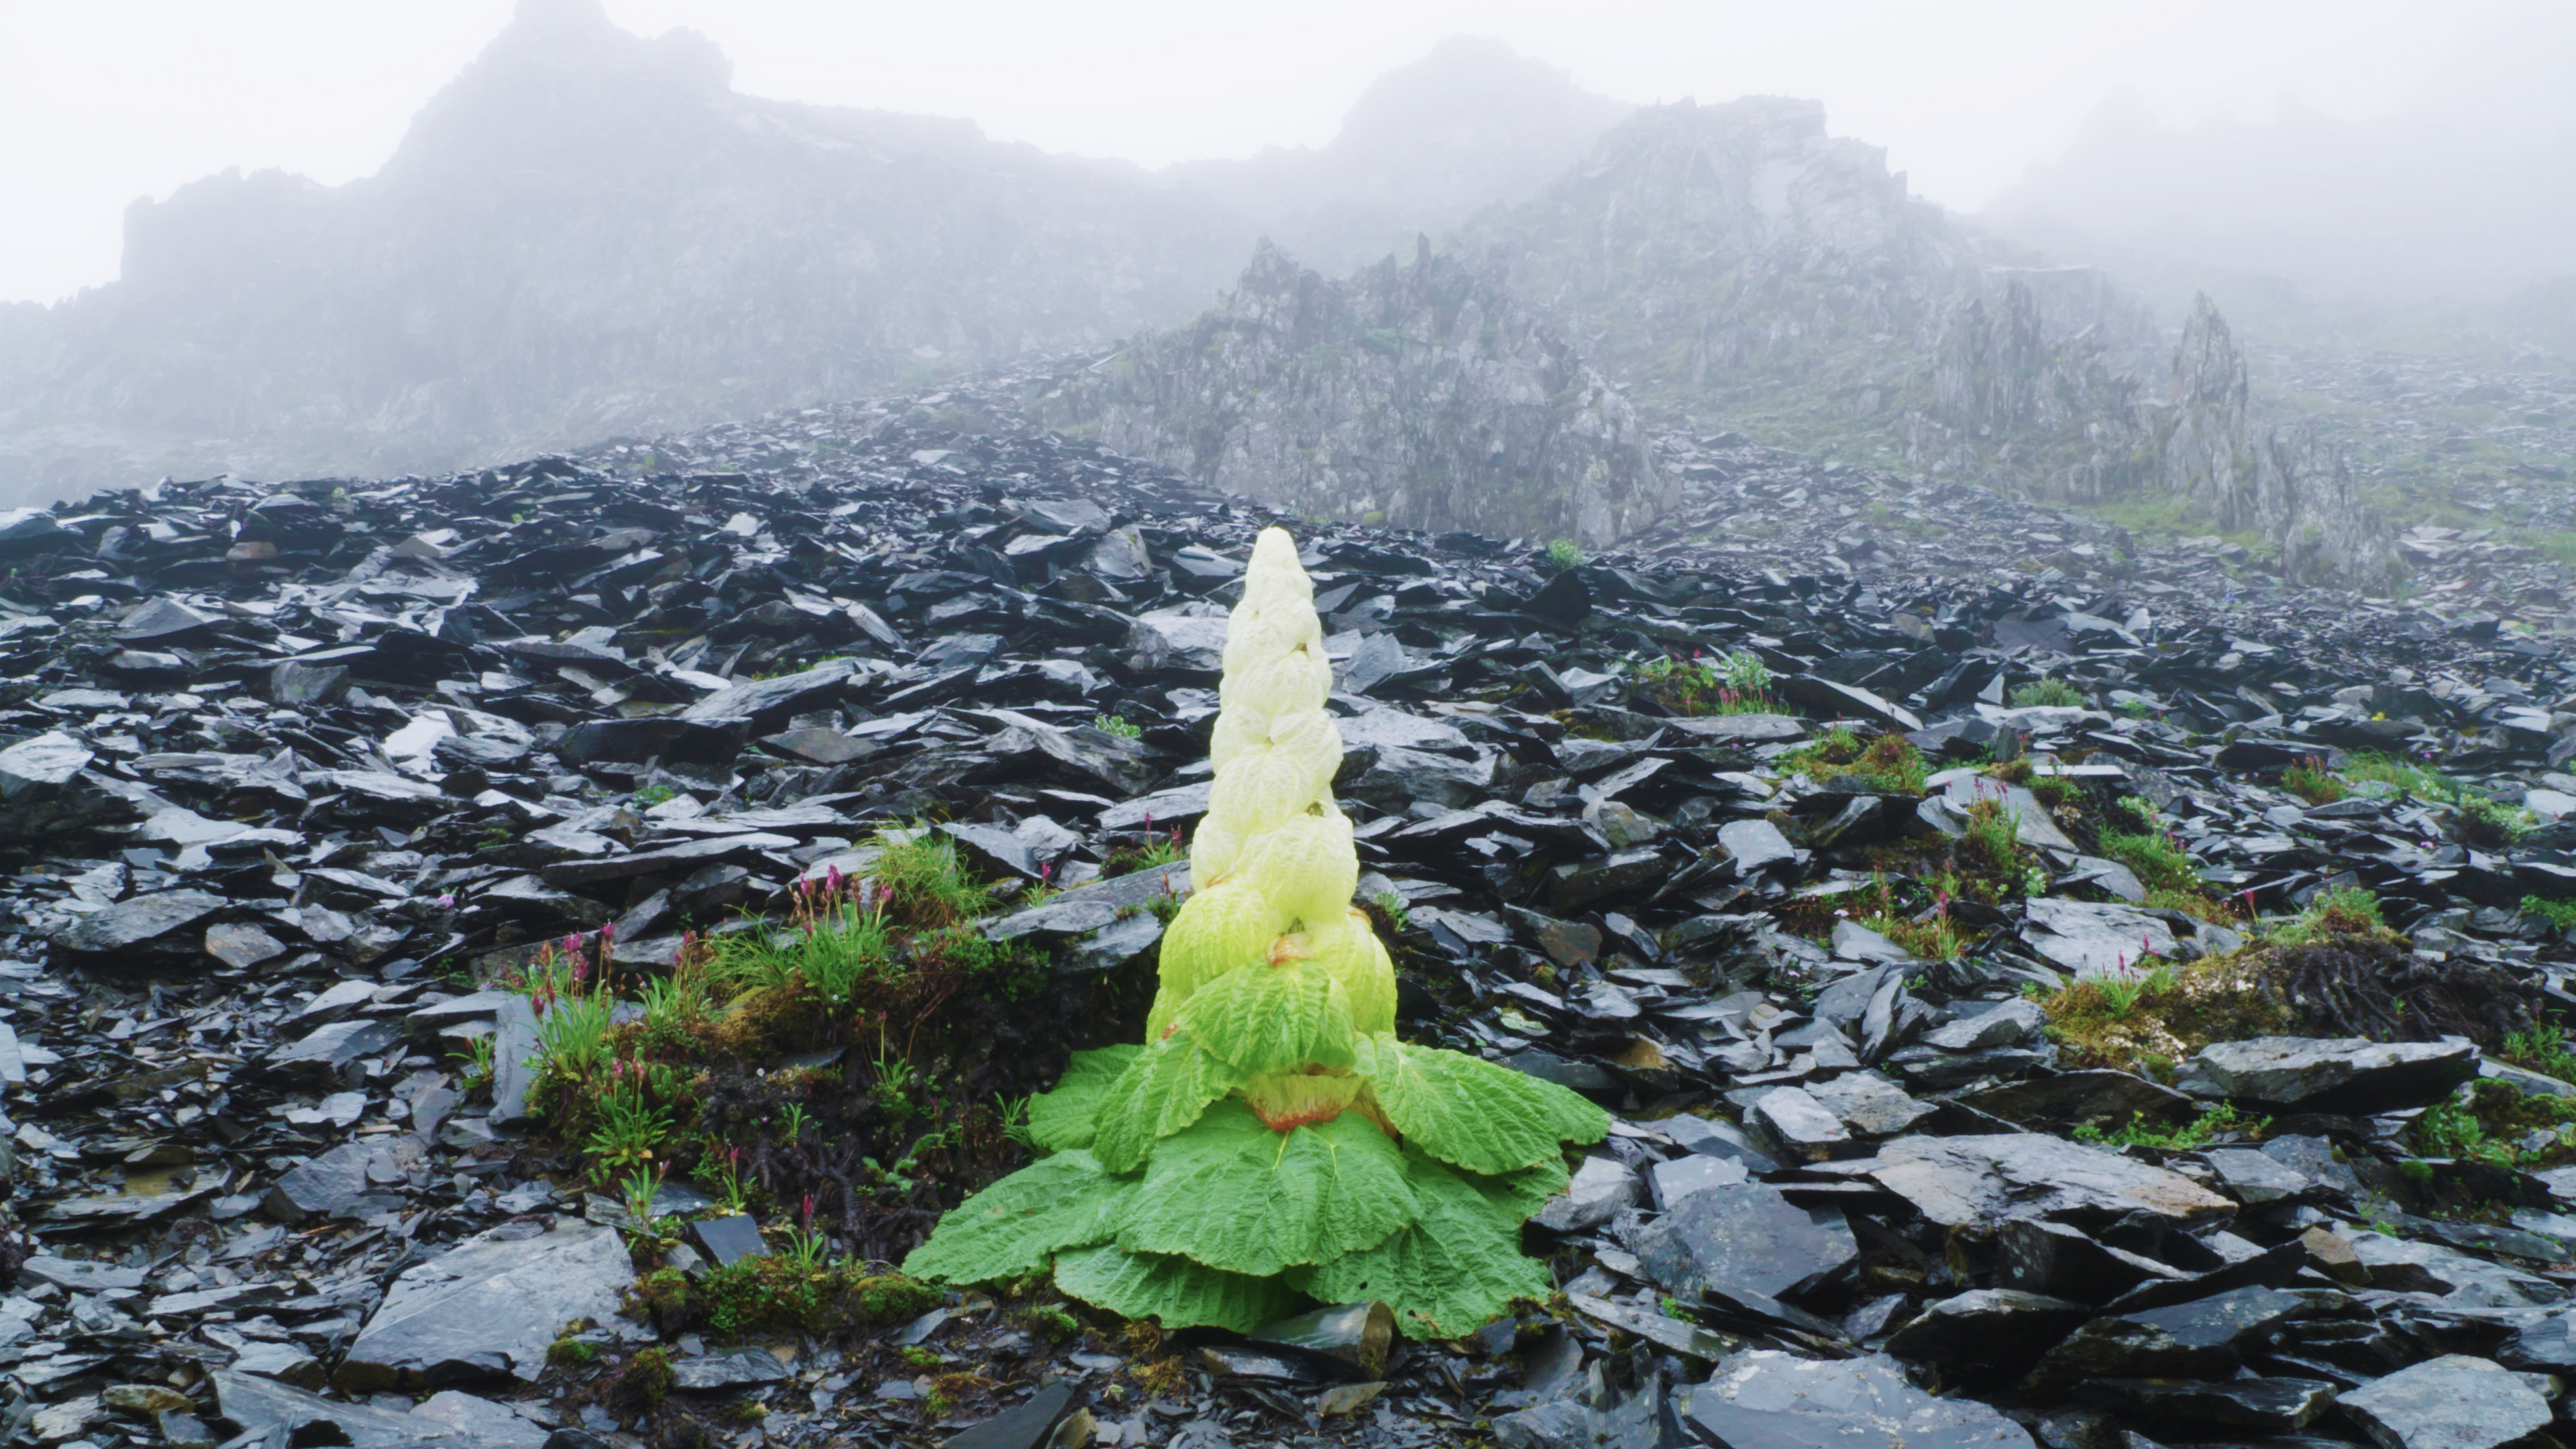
point(586, 234)
point(1420, 394)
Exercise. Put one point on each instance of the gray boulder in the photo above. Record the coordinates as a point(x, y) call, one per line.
point(2452, 1402)
point(1766, 1399)
point(2344, 1074)
point(1998, 1178)
point(488, 1308)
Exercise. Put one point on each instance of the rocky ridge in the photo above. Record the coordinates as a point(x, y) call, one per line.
point(1419, 396)
point(300, 777)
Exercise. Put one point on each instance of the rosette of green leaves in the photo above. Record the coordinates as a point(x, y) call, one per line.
point(1273, 1141)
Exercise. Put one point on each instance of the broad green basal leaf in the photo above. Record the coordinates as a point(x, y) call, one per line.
point(1162, 1091)
point(1062, 1119)
point(1455, 1269)
point(1473, 1113)
point(1181, 1293)
point(1018, 1223)
point(1273, 1018)
point(1233, 1194)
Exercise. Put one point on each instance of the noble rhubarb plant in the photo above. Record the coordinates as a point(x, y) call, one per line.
point(1272, 1141)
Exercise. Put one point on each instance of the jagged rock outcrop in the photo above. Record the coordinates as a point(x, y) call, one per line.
point(2020, 404)
point(1422, 395)
point(2219, 448)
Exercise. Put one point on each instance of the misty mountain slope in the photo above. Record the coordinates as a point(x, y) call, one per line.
point(1739, 263)
point(1422, 396)
point(1471, 124)
point(2409, 208)
point(1734, 253)
point(587, 233)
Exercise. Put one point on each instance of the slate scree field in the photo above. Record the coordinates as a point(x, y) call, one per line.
point(1560, 775)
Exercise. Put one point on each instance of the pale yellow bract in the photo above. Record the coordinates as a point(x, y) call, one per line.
point(1272, 863)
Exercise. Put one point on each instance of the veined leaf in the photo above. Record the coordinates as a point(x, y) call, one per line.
point(1273, 1018)
point(1162, 1091)
point(1474, 1113)
point(1233, 1194)
point(1350, 950)
point(1015, 1225)
point(1219, 929)
point(1062, 1119)
point(1181, 1293)
point(1307, 868)
point(1456, 1268)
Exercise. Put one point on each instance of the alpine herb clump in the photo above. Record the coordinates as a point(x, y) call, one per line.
point(1272, 1140)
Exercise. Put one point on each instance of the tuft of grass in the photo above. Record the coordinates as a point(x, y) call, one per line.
point(1565, 553)
point(2311, 781)
point(2343, 911)
point(2122, 992)
point(783, 1293)
point(2049, 691)
point(2164, 1016)
point(1398, 919)
point(2190, 1137)
point(652, 795)
point(2159, 860)
point(1888, 761)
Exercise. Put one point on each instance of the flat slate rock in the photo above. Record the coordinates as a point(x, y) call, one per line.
point(2351, 1075)
point(132, 922)
point(1767, 1399)
point(1986, 1181)
point(487, 1309)
point(1746, 1238)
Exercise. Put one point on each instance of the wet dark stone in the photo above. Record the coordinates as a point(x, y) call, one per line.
point(1766, 1399)
point(1749, 1238)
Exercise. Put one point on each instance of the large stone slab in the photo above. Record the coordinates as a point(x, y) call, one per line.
point(131, 923)
point(2094, 940)
point(2338, 1074)
point(1990, 1180)
point(2452, 1402)
point(488, 1308)
point(1766, 1399)
point(1745, 1238)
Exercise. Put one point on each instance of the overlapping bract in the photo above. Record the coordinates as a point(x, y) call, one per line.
point(1272, 1138)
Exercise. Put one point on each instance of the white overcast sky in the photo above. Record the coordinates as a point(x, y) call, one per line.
point(103, 101)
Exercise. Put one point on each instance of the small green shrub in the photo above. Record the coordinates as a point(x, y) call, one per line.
point(2047, 691)
point(1736, 683)
point(1564, 554)
point(2560, 914)
point(2484, 824)
point(1110, 724)
point(2189, 1137)
point(2542, 1049)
